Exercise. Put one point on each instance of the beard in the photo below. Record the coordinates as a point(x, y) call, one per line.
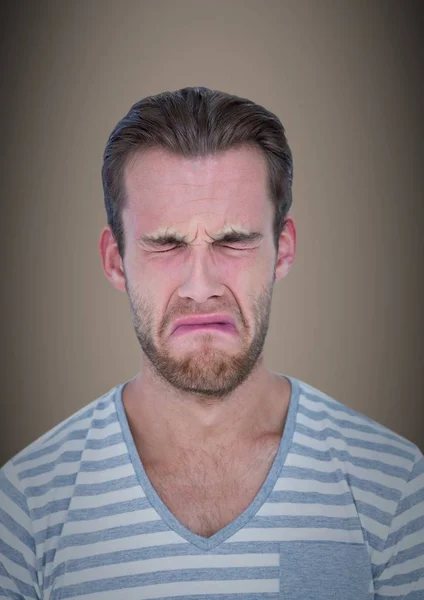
point(210, 371)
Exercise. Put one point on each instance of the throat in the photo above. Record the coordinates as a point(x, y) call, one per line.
point(206, 493)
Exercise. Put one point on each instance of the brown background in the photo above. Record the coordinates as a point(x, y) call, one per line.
point(344, 77)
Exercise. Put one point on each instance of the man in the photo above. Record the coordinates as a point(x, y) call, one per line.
point(207, 476)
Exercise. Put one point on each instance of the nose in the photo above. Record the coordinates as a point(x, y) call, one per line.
point(201, 277)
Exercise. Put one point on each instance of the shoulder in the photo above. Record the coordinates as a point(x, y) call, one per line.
point(375, 462)
point(52, 453)
point(333, 420)
point(375, 465)
point(36, 489)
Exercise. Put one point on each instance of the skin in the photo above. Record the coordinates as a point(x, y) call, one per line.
point(206, 390)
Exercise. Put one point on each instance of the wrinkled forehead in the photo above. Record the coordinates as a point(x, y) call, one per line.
point(164, 190)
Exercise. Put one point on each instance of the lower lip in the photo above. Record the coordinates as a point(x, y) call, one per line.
point(223, 327)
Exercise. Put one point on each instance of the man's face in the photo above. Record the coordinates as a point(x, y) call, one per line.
point(199, 199)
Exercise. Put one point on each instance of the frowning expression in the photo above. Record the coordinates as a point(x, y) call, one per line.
point(199, 241)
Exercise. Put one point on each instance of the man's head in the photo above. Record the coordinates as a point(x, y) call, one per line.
point(197, 188)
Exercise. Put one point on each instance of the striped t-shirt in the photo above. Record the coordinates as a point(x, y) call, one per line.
point(340, 516)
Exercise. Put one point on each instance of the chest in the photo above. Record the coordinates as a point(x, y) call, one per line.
point(207, 493)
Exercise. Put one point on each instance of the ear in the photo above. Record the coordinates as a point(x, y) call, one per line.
point(286, 249)
point(111, 259)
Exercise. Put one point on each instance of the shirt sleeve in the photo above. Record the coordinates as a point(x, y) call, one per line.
point(18, 574)
point(403, 574)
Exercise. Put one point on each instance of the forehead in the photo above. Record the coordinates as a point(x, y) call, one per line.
point(164, 190)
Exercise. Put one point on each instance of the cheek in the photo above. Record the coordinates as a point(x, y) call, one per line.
point(249, 271)
point(246, 281)
point(238, 275)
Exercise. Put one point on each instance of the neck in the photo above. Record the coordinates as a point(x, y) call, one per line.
point(165, 421)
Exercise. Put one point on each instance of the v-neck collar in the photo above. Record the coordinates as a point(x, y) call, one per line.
point(239, 522)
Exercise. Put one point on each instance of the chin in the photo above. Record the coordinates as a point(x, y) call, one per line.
point(211, 373)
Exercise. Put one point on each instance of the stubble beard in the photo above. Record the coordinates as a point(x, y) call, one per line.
point(206, 371)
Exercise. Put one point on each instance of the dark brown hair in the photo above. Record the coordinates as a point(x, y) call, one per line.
point(195, 122)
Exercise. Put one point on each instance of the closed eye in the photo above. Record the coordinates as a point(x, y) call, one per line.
point(235, 247)
point(168, 250)
point(222, 246)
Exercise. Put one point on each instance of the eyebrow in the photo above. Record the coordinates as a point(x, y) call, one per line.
point(229, 237)
point(238, 236)
point(162, 239)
